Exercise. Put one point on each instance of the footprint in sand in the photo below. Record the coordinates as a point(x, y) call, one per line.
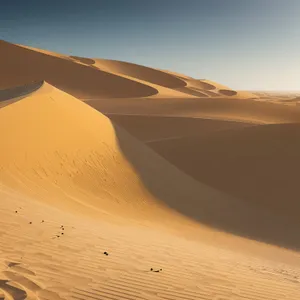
point(12, 292)
point(17, 286)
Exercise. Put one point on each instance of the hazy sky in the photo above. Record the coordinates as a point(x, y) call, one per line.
point(245, 44)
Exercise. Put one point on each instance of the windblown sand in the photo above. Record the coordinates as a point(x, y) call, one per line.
point(119, 181)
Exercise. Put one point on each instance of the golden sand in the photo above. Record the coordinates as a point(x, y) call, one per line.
point(160, 186)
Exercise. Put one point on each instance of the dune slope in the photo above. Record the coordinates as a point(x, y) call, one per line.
point(140, 72)
point(258, 164)
point(64, 153)
point(96, 78)
point(21, 65)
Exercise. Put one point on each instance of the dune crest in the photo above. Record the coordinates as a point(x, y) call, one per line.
point(62, 144)
point(140, 72)
point(88, 78)
point(21, 65)
point(10, 95)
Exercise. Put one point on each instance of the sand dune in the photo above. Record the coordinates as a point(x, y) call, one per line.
point(47, 52)
point(88, 208)
point(20, 65)
point(219, 89)
point(86, 158)
point(248, 111)
point(140, 72)
point(96, 78)
point(155, 79)
point(91, 165)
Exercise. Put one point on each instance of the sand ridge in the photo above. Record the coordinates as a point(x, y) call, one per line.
point(20, 65)
point(140, 72)
point(85, 75)
point(53, 158)
point(161, 82)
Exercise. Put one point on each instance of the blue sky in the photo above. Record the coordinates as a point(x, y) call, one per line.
point(252, 45)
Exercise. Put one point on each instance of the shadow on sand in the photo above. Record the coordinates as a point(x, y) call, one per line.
point(17, 93)
point(204, 204)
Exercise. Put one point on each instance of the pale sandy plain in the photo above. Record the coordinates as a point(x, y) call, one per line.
point(159, 169)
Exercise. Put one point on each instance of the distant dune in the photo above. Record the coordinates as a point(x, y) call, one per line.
point(248, 111)
point(20, 65)
point(140, 72)
point(97, 78)
point(120, 181)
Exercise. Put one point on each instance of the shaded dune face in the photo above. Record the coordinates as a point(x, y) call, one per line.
point(203, 85)
point(257, 164)
point(19, 91)
point(11, 95)
point(227, 92)
point(233, 214)
point(20, 65)
point(88, 78)
point(140, 72)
